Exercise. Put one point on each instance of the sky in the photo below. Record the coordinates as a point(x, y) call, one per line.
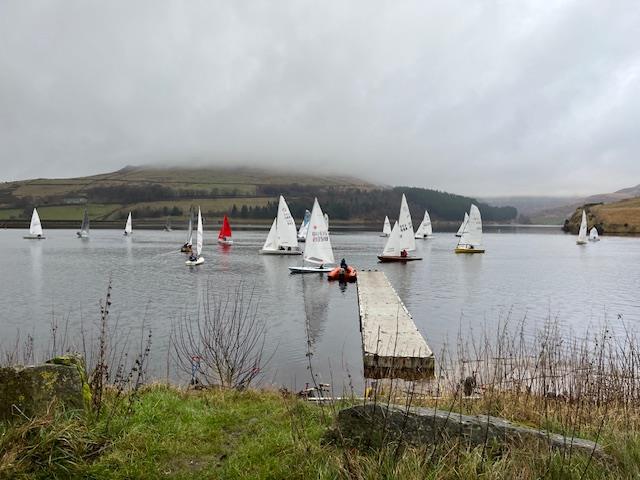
point(474, 97)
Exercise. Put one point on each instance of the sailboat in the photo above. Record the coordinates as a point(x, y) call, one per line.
point(582, 234)
point(224, 237)
point(35, 228)
point(167, 226)
point(317, 250)
point(462, 225)
point(128, 230)
point(302, 233)
point(84, 228)
point(188, 245)
point(593, 235)
point(401, 240)
point(386, 228)
point(326, 220)
point(283, 237)
point(424, 230)
point(196, 258)
point(471, 238)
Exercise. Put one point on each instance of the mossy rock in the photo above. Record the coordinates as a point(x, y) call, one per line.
point(29, 391)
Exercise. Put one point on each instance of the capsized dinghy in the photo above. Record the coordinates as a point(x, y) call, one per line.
point(401, 240)
point(283, 237)
point(196, 257)
point(471, 238)
point(317, 249)
point(224, 237)
point(84, 228)
point(582, 234)
point(35, 228)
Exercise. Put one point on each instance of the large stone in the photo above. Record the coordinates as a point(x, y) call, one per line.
point(375, 426)
point(30, 390)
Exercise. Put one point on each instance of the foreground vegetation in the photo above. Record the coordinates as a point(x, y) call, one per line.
point(165, 432)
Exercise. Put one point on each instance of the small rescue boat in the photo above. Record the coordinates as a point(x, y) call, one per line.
point(348, 274)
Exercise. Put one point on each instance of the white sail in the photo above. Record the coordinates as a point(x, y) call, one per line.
point(463, 224)
point(326, 220)
point(386, 228)
point(127, 228)
point(286, 226)
point(304, 226)
point(190, 229)
point(271, 243)
point(582, 235)
point(392, 247)
point(424, 230)
point(199, 235)
point(84, 228)
point(407, 240)
point(36, 227)
point(472, 234)
point(317, 248)
point(593, 234)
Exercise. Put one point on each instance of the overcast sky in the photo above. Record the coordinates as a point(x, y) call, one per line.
point(473, 97)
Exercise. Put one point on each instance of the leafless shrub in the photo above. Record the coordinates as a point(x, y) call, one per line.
point(224, 344)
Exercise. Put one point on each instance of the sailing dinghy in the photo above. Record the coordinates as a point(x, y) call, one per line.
point(302, 233)
point(425, 231)
point(188, 245)
point(196, 258)
point(317, 250)
point(283, 237)
point(401, 240)
point(386, 228)
point(326, 220)
point(582, 234)
point(462, 225)
point(471, 238)
point(224, 237)
point(128, 230)
point(593, 235)
point(35, 228)
point(84, 228)
point(167, 226)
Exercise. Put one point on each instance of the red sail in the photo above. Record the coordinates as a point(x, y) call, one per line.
point(225, 231)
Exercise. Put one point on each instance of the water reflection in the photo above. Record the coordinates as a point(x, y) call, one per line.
point(315, 292)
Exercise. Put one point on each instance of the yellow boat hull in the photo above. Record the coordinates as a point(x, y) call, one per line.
point(469, 250)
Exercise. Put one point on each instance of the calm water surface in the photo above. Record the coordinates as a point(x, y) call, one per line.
point(533, 274)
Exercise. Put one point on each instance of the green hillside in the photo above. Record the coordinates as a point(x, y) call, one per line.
point(242, 193)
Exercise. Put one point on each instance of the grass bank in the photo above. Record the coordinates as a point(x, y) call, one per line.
point(165, 432)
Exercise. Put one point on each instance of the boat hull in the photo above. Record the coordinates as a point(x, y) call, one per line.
point(310, 270)
point(193, 263)
point(581, 242)
point(458, 235)
point(82, 235)
point(225, 242)
point(280, 252)
point(301, 239)
point(469, 250)
point(594, 239)
point(397, 258)
point(34, 237)
point(425, 237)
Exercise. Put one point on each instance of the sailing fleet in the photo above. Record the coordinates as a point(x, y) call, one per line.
point(317, 255)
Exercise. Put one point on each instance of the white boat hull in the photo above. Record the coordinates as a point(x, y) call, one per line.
point(423, 237)
point(82, 235)
point(310, 269)
point(581, 242)
point(33, 237)
point(193, 263)
point(225, 242)
point(280, 252)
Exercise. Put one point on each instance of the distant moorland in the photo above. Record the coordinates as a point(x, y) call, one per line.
point(158, 193)
point(621, 217)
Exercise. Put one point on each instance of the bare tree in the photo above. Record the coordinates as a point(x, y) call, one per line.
point(224, 344)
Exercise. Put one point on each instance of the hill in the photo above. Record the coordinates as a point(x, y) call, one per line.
point(622, 217)
point(242, 193)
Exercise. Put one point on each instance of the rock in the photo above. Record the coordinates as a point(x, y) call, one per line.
point(31, 389)
point(375, 426)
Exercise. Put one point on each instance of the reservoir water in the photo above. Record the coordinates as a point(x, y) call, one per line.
point(530, 274)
